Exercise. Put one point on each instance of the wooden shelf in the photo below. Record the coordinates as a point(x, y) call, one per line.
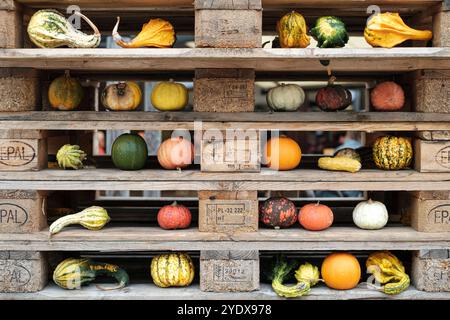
point(123, 238)
point(157, 179)
point(287, 121)
point(342, 59)
point(149, 291)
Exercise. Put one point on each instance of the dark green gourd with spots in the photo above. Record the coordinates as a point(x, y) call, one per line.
point(50, 29)
point(129, 152)
point(330, 32)
point(392, 153)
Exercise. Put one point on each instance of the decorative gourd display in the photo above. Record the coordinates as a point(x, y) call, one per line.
point(92, 218)
point(70, 156)
point(281, 271)
point(348, 153)
point(370, 215)
point(330, 32)
point(286, 97)
point(74, 273)
point(392, 153)
point(315, 217)
point(341, 271)
point(172, 270)
point(387, 96)
point(122, 96)
point(339, 164)
point(65, 93)
point(278, 212)
point(174, 216)
point(156, 33)
point(169, 96)
point(389, 271)
point(333, 97)
point(292, 31)
point(129, 152)
point(176, 153)
point(388, 30)
point(282, 153)
point(50, 29)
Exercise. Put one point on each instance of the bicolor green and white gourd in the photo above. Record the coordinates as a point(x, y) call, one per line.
point(92, 218)
point(70, 156)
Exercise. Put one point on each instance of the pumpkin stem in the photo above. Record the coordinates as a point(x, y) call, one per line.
point(370, 201)
point(121, 86)
point(331, 80)
point(89, 22)
point(174, 204)
point(67, 73)
point(318, 202)
point(265, 43)
point(171, 80)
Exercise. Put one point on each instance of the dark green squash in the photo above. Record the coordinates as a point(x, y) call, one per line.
point(129, 152)
point(278, 212)
point(330, 32)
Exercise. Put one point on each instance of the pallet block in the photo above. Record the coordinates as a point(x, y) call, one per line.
point(432, 156)
point(228, 211)
point(229, 271)
point(11, 34)
point(228, 24)
point(431, 91)
point(19, 89)
point(431, 270)
point(441, 27)
point(22, 271)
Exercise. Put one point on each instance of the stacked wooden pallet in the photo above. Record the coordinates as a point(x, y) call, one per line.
point(227, 59)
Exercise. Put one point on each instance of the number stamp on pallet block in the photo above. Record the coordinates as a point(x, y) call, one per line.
point(22, 271)
point(228, 271)
point(228, 211)
point(228, 24)
point(22, 211)
point(432, 156)
point(431, 270)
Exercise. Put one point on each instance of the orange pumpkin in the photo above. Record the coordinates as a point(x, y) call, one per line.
point(387, 96)
point(341, 271)
point(315, 217)
point(282, 153)
point(174, 216)
point(175, 153)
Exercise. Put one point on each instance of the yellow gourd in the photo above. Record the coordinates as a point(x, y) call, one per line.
point(339, 164)
point(169, 96)
point(292, 31)
point(388, 30)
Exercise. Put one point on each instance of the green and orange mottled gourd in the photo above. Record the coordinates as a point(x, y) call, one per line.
point(74, 273)
point(65, 93)
point(392, 153)
point(92, 218)
point(172, 270)
point(292, 31)
point(278, 212)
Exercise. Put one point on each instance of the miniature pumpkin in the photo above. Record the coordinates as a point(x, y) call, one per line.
point(278, 212)
point(392, 153)
point(157, 33)
point(330, 32)
point(169, 96)
point(292, 31)
point(65, 93)
point(129, 152)
point(175, 153)
point(315, 217)
point(370, 215)
point(172, 270)
point(122, 96)
point(174, 216)
point(387, 96)
point(333, 97)
point(286, 97)
point(341, 271)
point(282, 153)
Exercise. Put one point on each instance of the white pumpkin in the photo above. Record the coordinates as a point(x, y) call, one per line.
point(370, 215)
point(286, 97)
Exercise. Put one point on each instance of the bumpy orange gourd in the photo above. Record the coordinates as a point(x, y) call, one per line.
point(157, 33)
point(341, 271)
point(175, 153)
point(292, 31)
point(282, 153)
point(65, 93)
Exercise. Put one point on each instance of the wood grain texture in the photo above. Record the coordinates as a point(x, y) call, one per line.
point(228, 4)
point(123, 238)
point(10, 27)
point(23, 154)
point(441, 26)
point(430, 274)
point(341, 59)
point(19, 89)
point(432, 156)
point(429, 211)
point(431, 91)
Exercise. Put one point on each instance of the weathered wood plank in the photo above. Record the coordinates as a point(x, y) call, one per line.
point(228, 5)
point(342, 59)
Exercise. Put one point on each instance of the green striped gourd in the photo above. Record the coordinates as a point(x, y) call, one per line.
point(392, 153)
point(50, 29)
point(92, 218)
point(70, 156)
point(172, 270)
point(74, 273)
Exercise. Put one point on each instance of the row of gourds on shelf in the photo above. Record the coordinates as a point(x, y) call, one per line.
point(339, 270)
point(50, 29)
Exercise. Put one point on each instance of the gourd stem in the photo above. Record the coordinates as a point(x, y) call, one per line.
point(117, 37)
point(331, 80)
point(89, 22)
point(67, 73)
point(174, 203)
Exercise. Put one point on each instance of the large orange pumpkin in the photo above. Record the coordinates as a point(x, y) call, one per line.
point(174, 216)
point(341, 271)
point(282, 153)
point(315, 217)
point(175, 153)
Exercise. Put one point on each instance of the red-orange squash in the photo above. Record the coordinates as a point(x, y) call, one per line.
point(387, 96)
point(341, 271)
point(278, 212)
point(282, 153)
point(176, 153)
point(174, 216)
point(315, 217)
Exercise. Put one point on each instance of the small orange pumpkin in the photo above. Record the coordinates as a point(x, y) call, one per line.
point(315, 217)
point(341, 271)
point(282, 153)
point(176, 153)
point(174, 216)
